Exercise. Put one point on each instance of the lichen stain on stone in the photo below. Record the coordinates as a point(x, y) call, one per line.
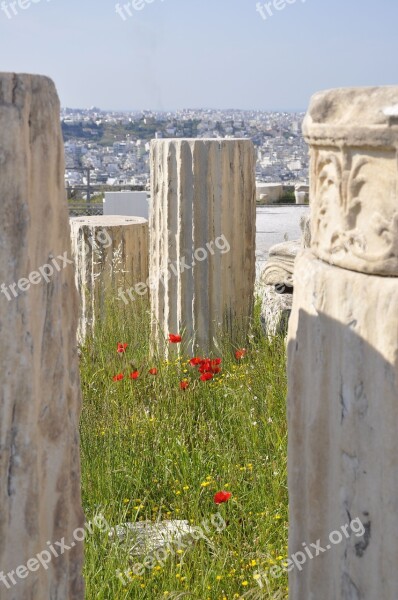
point(361, 546)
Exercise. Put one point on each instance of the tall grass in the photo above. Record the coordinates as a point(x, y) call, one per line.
point(152, 451)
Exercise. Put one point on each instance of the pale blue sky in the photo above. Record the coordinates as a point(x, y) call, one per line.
point(208, 53)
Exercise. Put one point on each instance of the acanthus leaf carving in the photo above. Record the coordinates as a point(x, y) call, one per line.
point(340, 199)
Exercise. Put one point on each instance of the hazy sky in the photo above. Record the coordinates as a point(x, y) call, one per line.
point(200, 53)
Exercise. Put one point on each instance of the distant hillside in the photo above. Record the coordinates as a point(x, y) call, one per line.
point(108, 133)
point(82, 131)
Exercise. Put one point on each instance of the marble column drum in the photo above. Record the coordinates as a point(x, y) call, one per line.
point(111, 257)
point(202, 241)
point(343, 355)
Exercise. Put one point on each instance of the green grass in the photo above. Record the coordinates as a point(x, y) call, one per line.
point(153, 451)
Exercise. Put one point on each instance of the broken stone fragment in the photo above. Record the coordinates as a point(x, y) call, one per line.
point(279, 268)
point(275, 311)
point(146, 537)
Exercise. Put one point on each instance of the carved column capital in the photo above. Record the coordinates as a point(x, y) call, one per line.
point(353, 138)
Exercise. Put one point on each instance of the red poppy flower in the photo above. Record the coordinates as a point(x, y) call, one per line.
point(184, 384)
point(221, 497)
point(206, 376)
point(240, 353)
point(194, 362)
point(174, 339)
point(210, 366)
point(121, 348)
point(153, 371)
point(118, 377)
point(134, 375)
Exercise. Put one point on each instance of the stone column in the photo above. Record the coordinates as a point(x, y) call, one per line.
point(202, 240)
point(343, 355)
point(39, 377)
point(111, 256)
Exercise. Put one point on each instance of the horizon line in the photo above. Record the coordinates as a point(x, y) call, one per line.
point(166, 110)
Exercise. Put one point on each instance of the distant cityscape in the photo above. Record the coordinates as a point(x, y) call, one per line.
point(112, 148)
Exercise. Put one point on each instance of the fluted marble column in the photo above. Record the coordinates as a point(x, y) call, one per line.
point(343, 355)
point(40, 398)
point(202, 240)
point(111, 257)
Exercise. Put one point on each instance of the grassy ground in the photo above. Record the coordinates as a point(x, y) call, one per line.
point(151, 450)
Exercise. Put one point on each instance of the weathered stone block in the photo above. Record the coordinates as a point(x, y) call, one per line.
point(39, 378)
point(268, 193)
point(343, 421)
